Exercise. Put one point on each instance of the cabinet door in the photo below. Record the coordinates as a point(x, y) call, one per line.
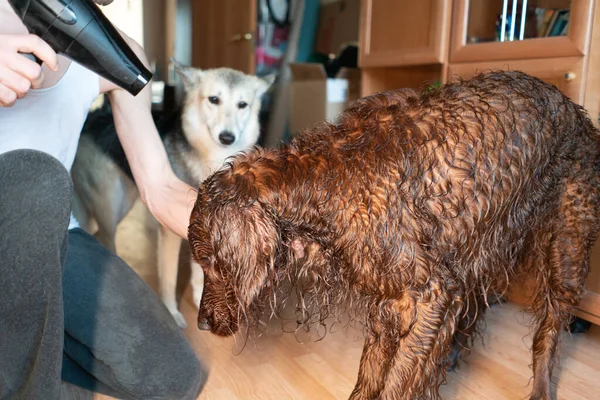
point(403, 32)
point(223, 34)
point(590, 303)
point(520, 29)
point(564, 73)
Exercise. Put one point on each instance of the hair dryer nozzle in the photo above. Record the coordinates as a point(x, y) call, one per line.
point(80, 31)
point(101, 48)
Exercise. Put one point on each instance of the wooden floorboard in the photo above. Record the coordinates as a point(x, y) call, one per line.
point(278, 366)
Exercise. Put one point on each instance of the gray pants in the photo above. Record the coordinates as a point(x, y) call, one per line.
point(71, 309)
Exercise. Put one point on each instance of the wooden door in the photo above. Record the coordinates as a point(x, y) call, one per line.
point(475, 33)
point(403, 32)
point(567, 74)
point(223, 34)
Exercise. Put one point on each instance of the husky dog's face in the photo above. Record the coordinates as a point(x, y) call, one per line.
point(222, 106)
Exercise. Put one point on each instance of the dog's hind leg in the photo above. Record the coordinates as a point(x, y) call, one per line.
point(169, 245)
point(102, 191)
point(112, 201)
point(561, 278)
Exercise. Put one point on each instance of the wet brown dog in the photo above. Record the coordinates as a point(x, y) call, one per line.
point(409, 211)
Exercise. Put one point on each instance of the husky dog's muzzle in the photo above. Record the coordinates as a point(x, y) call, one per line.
point(227, 138)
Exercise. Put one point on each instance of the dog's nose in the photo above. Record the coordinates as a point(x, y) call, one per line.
point(203, 324)
point(226, 138)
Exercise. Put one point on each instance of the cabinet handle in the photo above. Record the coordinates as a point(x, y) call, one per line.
point(569, 76)
point(240, 37)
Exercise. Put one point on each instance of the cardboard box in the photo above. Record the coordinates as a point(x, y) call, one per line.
point(315, 97)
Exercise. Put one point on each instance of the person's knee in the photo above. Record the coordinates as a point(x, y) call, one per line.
point(192, 381)
point(36, 186)
point(183, 381)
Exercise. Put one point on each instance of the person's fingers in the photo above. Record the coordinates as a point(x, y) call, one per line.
point(37, 82)
point(14, 82)
point(103, 2)
point(7, 96)
point(33, 44)
point(27, 68)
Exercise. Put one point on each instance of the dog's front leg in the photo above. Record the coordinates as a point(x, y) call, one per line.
point(419, 365)
point(168, 264)
point(385, 324)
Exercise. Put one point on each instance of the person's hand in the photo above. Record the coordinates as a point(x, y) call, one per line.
point(18, 74)
point(103, 2)
point(171, 203)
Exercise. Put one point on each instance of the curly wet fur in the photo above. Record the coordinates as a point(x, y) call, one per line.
point(410, 211)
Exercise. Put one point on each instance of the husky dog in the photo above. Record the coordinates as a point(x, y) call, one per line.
point(219, 118)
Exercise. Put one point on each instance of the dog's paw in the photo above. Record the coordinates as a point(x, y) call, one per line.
point(455, 358)
point(579, 326)
point(179, 319)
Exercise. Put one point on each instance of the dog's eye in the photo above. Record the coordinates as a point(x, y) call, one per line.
point(214, 100)
point(242, 104)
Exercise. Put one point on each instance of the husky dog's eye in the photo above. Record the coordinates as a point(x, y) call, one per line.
point(214, 100)
point(242, 104)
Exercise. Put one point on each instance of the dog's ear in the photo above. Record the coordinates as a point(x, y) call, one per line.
point(249, 243)
point(264, 83)
point(189, 76)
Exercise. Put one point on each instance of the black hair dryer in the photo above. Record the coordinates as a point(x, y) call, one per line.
point(79, 30)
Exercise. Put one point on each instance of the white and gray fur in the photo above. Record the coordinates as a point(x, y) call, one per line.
point(219, 119)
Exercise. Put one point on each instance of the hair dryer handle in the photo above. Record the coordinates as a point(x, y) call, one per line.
point(32, 57)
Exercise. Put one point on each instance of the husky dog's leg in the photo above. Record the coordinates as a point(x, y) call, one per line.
point(197, 281)
point(83, 217)
point(168, 263)
point(112, 202)
point(103, 192)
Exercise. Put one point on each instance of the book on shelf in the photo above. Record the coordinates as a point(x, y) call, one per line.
point(552, 22)
point(561, 23)
point(544, 15)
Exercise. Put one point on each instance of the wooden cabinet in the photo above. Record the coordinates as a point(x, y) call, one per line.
point(475, 21)
point(565, 73)
point(409, 44)
point(472, 41)
point(403, 32)
point(223, 34)
point(403, 43)
point(569, 60)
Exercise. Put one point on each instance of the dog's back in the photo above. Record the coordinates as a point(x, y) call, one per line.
point(472, 168)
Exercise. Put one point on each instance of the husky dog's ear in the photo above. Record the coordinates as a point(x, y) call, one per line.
point(264, 83)
point(189, 76)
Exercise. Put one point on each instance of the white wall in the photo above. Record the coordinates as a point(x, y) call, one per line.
point(183, 32)
point(127, 15)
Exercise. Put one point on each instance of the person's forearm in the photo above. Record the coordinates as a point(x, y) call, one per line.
point(168, 198)
point(139, 138)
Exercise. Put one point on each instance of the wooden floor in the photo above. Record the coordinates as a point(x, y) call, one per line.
point(279, 367)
